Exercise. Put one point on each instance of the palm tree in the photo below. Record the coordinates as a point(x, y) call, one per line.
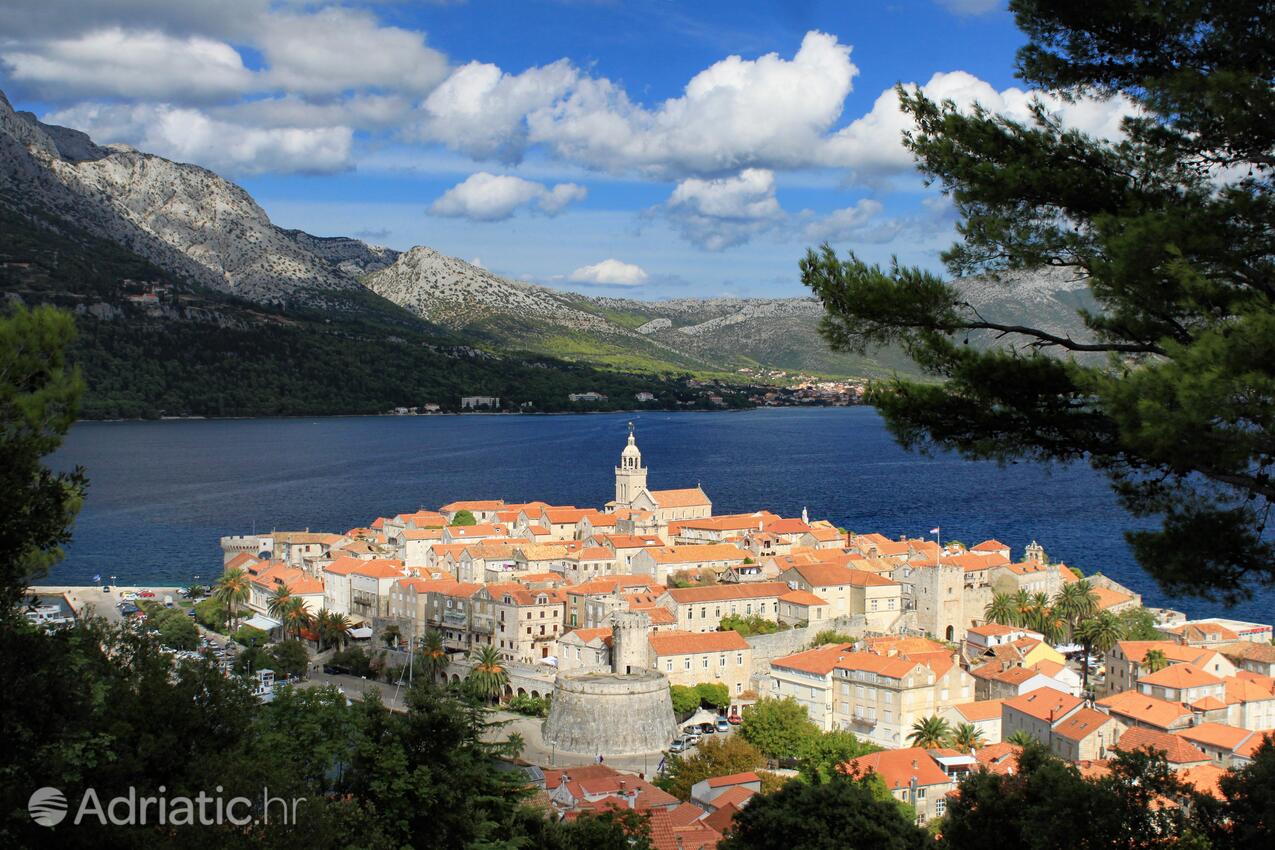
point(295, 616)
point(932, 731)
point(434, 658)
point(1154, 661)
point(966, 738)
point(1076, 602)
point(489, 676)
point(231, 592)
point(1021, 738)
point(1023, 606)
point(279, 600)
point(333, 629)
point(1002, 610)
point(1100, 632)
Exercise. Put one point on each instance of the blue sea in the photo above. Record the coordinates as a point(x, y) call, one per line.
point(162, 493)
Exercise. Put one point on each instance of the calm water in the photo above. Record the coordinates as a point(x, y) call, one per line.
point(162, 493)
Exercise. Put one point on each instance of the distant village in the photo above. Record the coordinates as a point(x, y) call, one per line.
point(905, 633)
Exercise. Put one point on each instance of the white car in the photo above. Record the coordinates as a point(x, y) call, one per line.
point(128, 596)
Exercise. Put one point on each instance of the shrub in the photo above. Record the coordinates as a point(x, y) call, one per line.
point(250, 636)
point(529, 705)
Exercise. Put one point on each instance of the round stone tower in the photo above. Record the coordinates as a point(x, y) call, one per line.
point(624, 712)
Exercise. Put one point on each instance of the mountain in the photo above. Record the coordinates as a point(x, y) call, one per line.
point(97, 227)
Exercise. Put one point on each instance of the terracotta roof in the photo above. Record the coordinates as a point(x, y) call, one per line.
point(685, 498)
point(890, 666)
point(1249, 748)
point(736, 797)
point(688, 643)
point(378, 568)
point(588, 635)
point(1000, 758)
point(984, 709)
point(1179, 676)
point(1239, 689)
point(667, 836)
point(1249, 651)
point(802, 597)
point(631, 541)
point(724, 592)
point(685, 814)
point(1108, 598)
point(1136, 650)
point(897, 768)
point(821, 660)
point(721, 818)
point(885, 644)
point(992, 545)
point(604, 585)
point(733, 779)
point(994, 630)
point(1082, 724)
point(1204, 778)
point(473, 505)
point(1177, 749)
point(1217, 735)
point(695, 554)
point(1145, 709)
point(1044, 703)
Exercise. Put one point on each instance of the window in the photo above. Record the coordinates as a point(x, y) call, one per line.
point(668, 665)
point(704, 662)
point(920, 793)
point(721, 661)
point(739, 659)
point(688, 662)
point(940, 806)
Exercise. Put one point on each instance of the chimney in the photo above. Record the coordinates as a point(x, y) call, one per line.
point(914, 764)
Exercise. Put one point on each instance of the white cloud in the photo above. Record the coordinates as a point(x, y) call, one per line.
point(338, 49)
point(736, 113)
point(482, 111)
point(851, 223)
point(188, 135)
point(610, 272)
point(55, 18)
point(495, 197)
point(114, 62)
point(362, 110)
point(717, 214)
point(872, 147)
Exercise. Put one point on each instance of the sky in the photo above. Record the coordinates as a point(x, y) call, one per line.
point(645, 148)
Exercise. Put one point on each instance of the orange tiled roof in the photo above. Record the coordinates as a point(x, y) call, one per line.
point(698, 553)
point(1145, 709)
point(689, 643)
point(1082, 724)
point(821, 660)
point(898, 768)
point(1044, 703)
point(685, 498)
point(802, 597)
point(1204, 778)
point(984, 709)
point(1179, 676)
point(1176, 748)
point(724, 592)
point(1218, 735)
point(733, 779)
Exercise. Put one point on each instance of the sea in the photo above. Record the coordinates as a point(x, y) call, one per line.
point(162, 493)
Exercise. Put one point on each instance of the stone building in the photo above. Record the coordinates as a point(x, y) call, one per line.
point(691, 658)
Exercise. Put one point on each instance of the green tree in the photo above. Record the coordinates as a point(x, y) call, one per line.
point(488, 677)
point(966, 738)
point(1138, 624)
point(433, 655)
point(279, 599)
point(842, 813)
point(39, 399)
point(250, 636)
point(1154, 661)
point(333, 629)
point(713, 694)
point(1247, 818)
point(392, 635)
point(1002, 609)
point(718, 755)
point(778, 727)
point(821, 755)
point(289, 658)
point(231, 591)
point(464, 518)
point(1099, 633)
point(929, 732)
point(828, 636)
point(1168, 389)
point(176, 630)
point(296, 617)
point(685, 700)
point(1074, 602)
point(1021, 738)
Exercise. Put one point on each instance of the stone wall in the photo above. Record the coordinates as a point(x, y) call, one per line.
point(610, 714)
point(769, 647)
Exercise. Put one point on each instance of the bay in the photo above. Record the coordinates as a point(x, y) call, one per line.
point(162, 493)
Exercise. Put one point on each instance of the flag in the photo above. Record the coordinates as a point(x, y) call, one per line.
point(934, 531)
point(97, 577)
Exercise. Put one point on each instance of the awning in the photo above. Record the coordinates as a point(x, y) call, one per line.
point(260, 621)
point(362, 633)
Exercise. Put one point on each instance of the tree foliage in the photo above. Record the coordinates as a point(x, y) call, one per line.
point(1169, 391)
point(716, 755)
point(780, 728)
point(844, 812)
point(685, 700)
point(821, 755)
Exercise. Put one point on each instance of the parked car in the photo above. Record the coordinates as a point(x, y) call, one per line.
point(734, 719)
point(722, 725)
point(190, 612)
point(128, 609)
point(680, 745)
point(146, 594)
point(707, 728)
point(128, 596)
point(691, 732)
point(106, 588)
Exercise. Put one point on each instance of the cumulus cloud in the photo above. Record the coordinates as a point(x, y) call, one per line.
point(856, 223)
point(723, 212)
point(188, 135)
point(338, 49)
point(114, 62)
point(57, 18)
point(481, 111)
point(610, 272)
point(495, 197)
point(871, 146)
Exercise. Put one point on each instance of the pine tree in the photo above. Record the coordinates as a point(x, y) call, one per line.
point(1170, 391)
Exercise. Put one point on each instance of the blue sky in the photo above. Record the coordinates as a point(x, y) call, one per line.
point(647, 148)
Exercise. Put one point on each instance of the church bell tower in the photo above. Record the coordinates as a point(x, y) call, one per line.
point(630, 475)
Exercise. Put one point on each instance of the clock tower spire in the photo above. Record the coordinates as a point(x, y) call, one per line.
point(630, 475)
